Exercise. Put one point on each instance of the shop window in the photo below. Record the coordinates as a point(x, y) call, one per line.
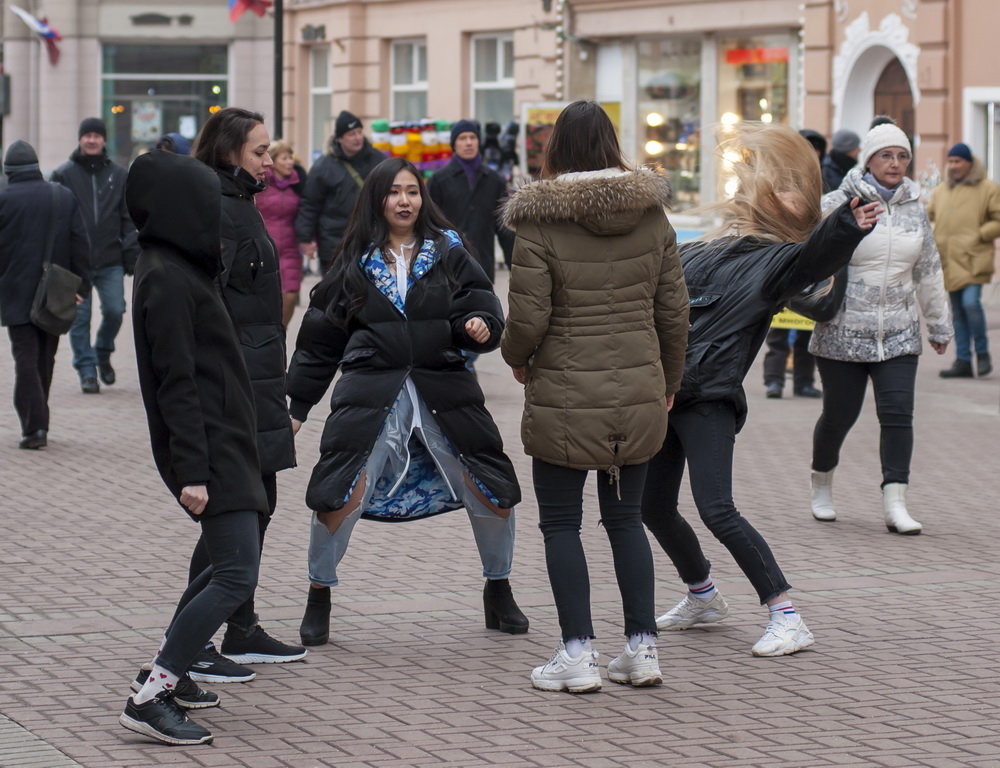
point(493, 78)
point(320, 101)
point(409, 80)
point(669, 100)
point(148, 90)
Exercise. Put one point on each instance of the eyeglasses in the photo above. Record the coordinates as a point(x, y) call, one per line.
point(887, 156)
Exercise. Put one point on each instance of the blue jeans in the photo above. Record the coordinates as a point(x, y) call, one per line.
point(969, 321)
point(109, 282)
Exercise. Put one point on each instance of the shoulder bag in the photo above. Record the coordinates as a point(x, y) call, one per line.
point(822, 301)
point(54, 306)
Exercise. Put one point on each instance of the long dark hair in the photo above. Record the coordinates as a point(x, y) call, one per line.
point(583, 139)
point(223, 135)
point(342, 289)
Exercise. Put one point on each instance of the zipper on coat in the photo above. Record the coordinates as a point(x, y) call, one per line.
point(885, 281)
point(93, 185)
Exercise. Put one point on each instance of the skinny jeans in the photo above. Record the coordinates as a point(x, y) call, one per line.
point(844, 387)
point(559, 491)
point(34, 353)
point(704, 435)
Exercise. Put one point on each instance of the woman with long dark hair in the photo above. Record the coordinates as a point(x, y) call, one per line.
point(409, 435)
point(598, 321)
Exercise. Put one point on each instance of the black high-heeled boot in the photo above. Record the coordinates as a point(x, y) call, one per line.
point(501, 610)
point(315, 627)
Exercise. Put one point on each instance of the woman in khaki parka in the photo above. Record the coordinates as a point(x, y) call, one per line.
point(596, 332)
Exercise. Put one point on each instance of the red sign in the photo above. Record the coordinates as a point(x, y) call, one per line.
point(740, 56)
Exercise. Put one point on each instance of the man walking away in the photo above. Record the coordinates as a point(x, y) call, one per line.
point(28, 209)
point(99, 187)
point(965, 211)
point(843, 156)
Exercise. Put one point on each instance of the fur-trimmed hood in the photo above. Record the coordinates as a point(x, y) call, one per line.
point(975, 175)
point(607, 202)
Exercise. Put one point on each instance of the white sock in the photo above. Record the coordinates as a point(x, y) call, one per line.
point(703, 590)
point(159, 679)
point(784, 607)
point(577, 646)
point(641, 639)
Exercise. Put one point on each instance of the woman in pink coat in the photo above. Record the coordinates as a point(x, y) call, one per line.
point(279, 204)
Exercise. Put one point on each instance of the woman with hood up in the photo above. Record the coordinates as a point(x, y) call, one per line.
point(200, 411)
point(771, 244)
point(596, 333)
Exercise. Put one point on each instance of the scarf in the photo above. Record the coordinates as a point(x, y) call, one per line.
point(884, 192)
point(471, 168)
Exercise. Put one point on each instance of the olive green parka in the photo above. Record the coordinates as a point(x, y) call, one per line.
point(598, 314)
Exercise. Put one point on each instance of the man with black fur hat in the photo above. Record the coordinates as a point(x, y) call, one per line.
point(99, 187)
point(333, 185)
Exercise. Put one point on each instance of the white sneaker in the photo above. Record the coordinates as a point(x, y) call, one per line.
point(563, 673)
point(640, 667)
point(783, 635)
point(692, 610)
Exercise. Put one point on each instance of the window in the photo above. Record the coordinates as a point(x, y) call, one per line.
point(409, 80)
point(148, 90)
point(320, 101)
point(493, 78)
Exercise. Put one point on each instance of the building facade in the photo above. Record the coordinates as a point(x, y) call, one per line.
point(145, 68)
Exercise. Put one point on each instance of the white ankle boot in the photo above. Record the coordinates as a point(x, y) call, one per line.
point(897, 519)
point(822, 496)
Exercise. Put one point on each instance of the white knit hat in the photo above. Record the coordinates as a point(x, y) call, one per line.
point(881, 137)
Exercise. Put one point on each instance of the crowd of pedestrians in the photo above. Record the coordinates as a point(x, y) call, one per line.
point(632, 352)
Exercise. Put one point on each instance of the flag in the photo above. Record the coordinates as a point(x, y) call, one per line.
point(41, 28)
point(238, 7)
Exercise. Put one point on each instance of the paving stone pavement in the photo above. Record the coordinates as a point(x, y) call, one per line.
point(905, 670)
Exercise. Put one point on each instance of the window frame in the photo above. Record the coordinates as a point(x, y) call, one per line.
point(416, 85)
point(502, 83)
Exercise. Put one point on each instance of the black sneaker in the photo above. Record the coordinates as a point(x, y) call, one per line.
point(258, 647)
point(160, 718)
point(89, 385)
point(210, 666)
point(187, 694)
point(106, 372)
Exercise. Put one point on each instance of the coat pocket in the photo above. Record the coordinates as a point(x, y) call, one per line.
point(357, 355)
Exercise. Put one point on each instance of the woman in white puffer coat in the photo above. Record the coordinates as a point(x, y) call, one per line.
point(876, 334)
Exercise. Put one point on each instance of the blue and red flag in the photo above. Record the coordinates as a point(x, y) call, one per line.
point(238, 7)
point(40, 27)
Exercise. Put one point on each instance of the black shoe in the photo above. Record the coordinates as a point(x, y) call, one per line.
point(255, 646)
point(187, 694)
point(89, 385)
point(807, 390)
point(106, 372)
point(960, 369)
point(983, 365)
point(209, 666)
point(315, 627)
point(773, 391)
point(34, 441)
point(162, 719)
point(501, 611)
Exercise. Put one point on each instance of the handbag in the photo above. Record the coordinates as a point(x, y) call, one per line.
point(53, 308)
point(822, 301)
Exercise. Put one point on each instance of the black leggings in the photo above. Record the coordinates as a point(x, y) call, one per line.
point(559, 491)
point(843, 395)
point(705, 435)
point(232, 541)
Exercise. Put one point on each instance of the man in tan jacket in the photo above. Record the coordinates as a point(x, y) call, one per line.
point(965, 211)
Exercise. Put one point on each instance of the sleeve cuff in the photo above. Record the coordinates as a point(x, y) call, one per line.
point(298, 409)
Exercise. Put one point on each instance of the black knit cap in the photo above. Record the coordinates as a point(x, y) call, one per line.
point(20, 157)
point(346, 122)
point(465, 126)
point(92, 125)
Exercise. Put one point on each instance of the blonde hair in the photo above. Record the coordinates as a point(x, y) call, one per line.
point(278, 147)
point(779, 184)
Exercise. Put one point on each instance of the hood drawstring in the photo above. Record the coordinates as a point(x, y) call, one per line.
point(615, 479)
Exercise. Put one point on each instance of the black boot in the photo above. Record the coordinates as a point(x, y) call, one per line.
point(315, 627)
point(960, 369)
point(983, 365)
point(501, 611)
point(34, 441)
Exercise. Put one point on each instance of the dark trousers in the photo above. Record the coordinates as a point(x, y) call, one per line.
point(704, 435)
point(843, 395)
point(559, 491)
point(776, 358)
point(34, 353)
point(232, 540)
point(245, 616)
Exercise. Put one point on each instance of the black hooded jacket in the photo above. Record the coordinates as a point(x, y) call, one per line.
point(24, 212)
point(835, 167)
point(99, 187)
point(251, 288)
point(192, 377)
point(736, 284)
point(330, 194)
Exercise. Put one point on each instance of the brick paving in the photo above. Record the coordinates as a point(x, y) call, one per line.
point(905, 671)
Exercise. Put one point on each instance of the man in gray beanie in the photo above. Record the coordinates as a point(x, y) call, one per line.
point(29, 210)
point(843, 156)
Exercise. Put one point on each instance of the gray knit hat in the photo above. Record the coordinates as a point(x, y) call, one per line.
point(845, 141)
point(20, 157)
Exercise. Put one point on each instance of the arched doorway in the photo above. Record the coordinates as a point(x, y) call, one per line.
point(894, 98)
